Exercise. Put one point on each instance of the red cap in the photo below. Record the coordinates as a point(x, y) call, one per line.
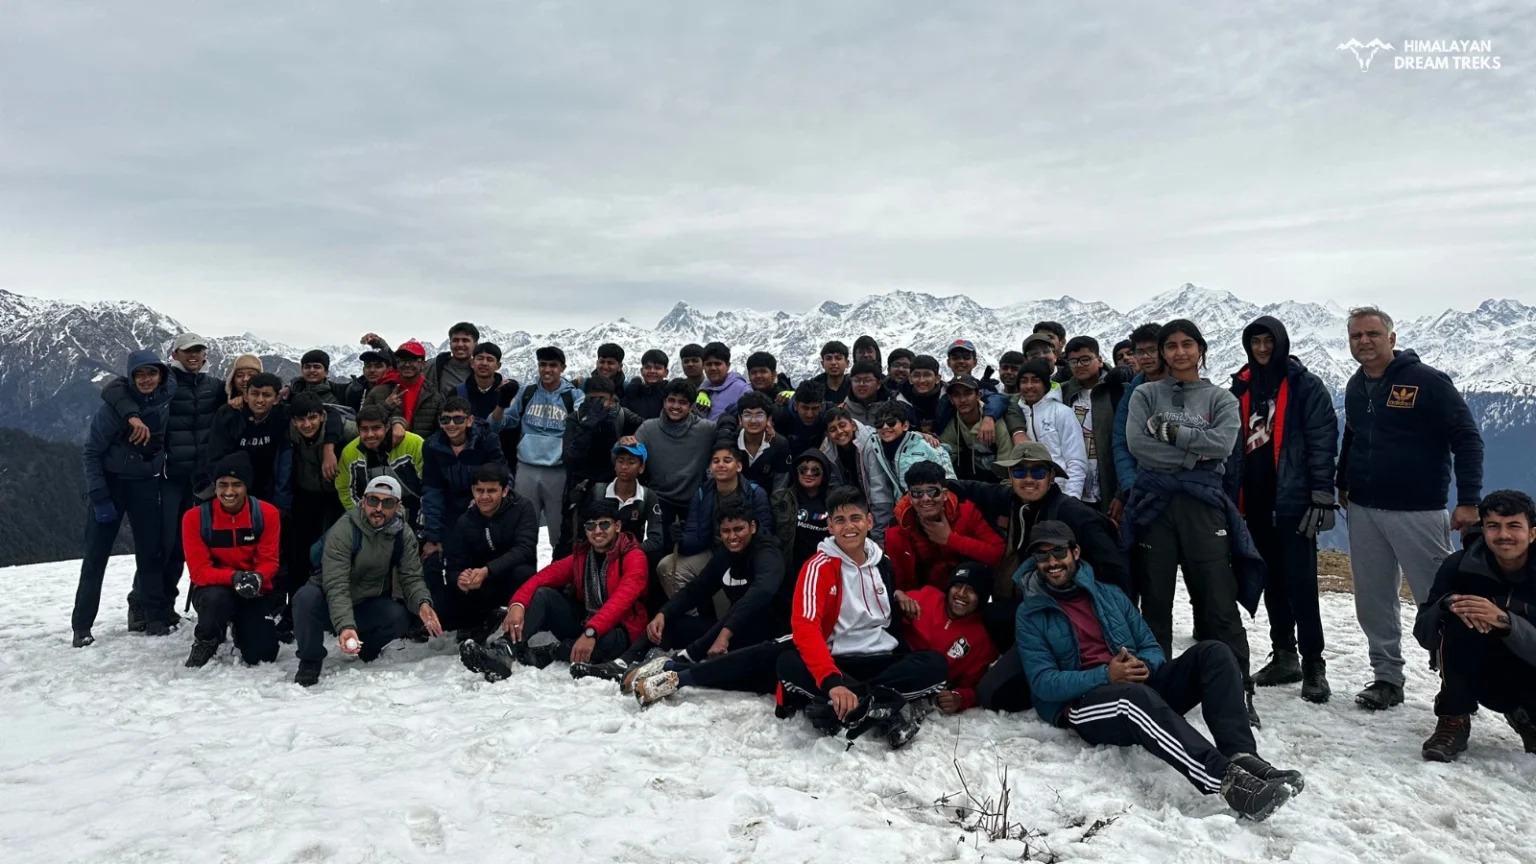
point(412, 349)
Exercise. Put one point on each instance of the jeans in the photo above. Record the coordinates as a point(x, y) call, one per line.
point(380, 620)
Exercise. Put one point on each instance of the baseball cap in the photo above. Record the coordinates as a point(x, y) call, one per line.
point(1050, 531)
point(376, 357)
point(1040, 337)
point(411, 349)
point(637, 450)
point(965, 381)
point(1030, 452)
point(383, 485)
point(188, 340)
point(961, 345)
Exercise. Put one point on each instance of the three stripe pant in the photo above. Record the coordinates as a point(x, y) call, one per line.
point(1152, 714)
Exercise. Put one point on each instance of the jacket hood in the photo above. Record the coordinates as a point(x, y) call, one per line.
point(1277, 366)
point(1028, 579)
point(873, 554)
point(906, 512)
point(1402, 358)
point(830, 475)
point(731, 379)
point(360, 519)
point(140, 359)
point(1477, 561)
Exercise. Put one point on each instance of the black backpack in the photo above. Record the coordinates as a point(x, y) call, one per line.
point(205, 527)
point(516, 433)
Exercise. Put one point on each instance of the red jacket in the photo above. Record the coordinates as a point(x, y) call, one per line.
point(233, 548)
point(921, 562)
point(627, 574)
point(963, 641)
point(818, 603)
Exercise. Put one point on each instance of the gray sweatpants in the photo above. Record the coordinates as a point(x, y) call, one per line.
point(1381, 542)
point(545, 487)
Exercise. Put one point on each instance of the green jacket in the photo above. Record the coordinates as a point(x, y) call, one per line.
point(346, 580)
point(354, 468)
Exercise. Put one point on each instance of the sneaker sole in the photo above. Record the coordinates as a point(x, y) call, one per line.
point(469, 655)
point(1317, 698)
point(635, 674)
point(1282, 795)
point(1443, 758)
point(1373, 705)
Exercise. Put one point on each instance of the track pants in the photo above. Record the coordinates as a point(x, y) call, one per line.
point(1151, 714)
point(1479, 669)
point(551, 612)
point(1290, 584)
point(469, 609)
point(1381, 542)
point(545, 486)
point(914, 674)
point(218, 607)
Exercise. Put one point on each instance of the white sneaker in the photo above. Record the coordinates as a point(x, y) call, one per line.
point(641, 671)
point(649, 691)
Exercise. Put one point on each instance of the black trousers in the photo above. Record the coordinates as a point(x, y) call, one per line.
point(1152, 714)
point(914, 674)
point(380, 621)
point(1005, 687)
point(468, 609)
point(312, 515)
point(1001, 617)
point(176, 498)
point(139, 502)
point(1190, 535)
point(750, 669)
point(552, 612)
point(218, 607)
point(673, 516)
point(1290, 584)
point(1478, 669)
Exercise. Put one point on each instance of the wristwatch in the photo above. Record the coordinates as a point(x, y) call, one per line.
point(590, 633)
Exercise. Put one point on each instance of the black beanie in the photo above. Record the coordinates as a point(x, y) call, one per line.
point(975, 574)
point(315, 355)
point(1039, 368)
point(238, 466)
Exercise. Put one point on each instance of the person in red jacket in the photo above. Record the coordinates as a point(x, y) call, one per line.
point(849, 669)
point(935, 531)
point(949, 622)
point(232, 547)
point(594, 624)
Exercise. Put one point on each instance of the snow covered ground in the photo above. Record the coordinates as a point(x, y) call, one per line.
point(116, 753)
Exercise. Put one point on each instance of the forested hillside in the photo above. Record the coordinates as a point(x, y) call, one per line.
point(42, 500)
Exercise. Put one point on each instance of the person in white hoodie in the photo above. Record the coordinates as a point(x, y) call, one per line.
point(850, 669)
point(1034, 416)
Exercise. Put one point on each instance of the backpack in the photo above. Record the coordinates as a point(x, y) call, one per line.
point(516, 434)
point(317, 551)
point(205, 526)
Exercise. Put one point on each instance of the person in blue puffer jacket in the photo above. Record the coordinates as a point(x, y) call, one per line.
point(123, 479)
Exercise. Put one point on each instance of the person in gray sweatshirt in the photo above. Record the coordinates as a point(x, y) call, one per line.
point(677, 445)
point(1181, 429)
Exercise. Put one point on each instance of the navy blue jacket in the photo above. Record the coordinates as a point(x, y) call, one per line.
point(1309, 435)
point(1398, 447)
point(197, 398)
point(268, 443)
point(446, 477)
point(699, 532)
point(107, 451)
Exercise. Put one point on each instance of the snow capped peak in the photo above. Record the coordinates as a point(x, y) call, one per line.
point(833, 310)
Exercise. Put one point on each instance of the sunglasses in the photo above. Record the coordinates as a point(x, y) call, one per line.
point(379, 502)
point(1055, 553)
point(1020, 472)
point(809, 471)
point(598, 524)
point(453, 420)
point(929, 492)
point(888, 423)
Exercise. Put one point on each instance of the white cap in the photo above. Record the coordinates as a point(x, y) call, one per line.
point(188, 340)
point(383, 485)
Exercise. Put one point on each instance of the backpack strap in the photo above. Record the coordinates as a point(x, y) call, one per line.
point(398, 552)
point(205, 522)
point(528, 391)
point(258, 519)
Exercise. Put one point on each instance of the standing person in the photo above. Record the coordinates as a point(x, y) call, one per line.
point(865, 392)
point(803, 422)
point(540, 411)
point(677, 445)
point(1149, 365)
point(487, 392)
point(413, 402)
point(1008, 367)
point(962, 438)
point(639, 506)
point(1281, 475)
point(453, 367)
point(194, 402)
point(855, 450)
point(1045, 345)
point(924, 391)
point(722, 387)
point(644, 395)
point(764, 376)
point(314, 377)
point(123, 478)
point(240, 371)
point(1092, 396)
point(1058, 336)
point(490, 552)
point(1182, 429)
point(232, 548)
point(834, 372)
point(591, 431)
point(1034, 417)
point(800, 511)
point(315, 507)
point(610, 364)
point(866, 350)
point(1403, 423)
point(898, 364)
point(260, 427)
point(450, 460)
point(691, 356)
point(1125, 355)
point(767, 456)
point(375, 364)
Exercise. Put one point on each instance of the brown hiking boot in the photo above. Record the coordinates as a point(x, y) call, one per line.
point(1449, 739)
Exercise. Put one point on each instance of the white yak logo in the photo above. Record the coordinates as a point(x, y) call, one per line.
point(1369, 50)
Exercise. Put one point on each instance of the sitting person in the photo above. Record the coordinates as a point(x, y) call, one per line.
point(1480, 625)
point(491, 551)
point(749, 571)
point(902, 448)
point(1094, 667)
point(699, 539)
point(800, 511)
point(232, 548)
point(596, 622)
point(850, 668)
point(935, 531)
point(367, 552)
point(449, 460)
point(948, 620)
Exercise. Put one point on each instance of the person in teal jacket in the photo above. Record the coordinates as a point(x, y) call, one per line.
point(902, 448)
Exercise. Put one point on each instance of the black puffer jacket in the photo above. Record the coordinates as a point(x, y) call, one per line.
point(196, 399)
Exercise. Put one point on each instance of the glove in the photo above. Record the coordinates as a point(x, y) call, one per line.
point(505, 396)
point(1161, 429)
point(1320, 517)
point(103, 511)
point(247, 584)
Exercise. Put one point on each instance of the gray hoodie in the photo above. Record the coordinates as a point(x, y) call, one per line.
point(1207, 417)
point(677, 455)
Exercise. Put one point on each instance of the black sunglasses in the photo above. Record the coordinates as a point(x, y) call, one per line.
point(1037, 472)
point(889, 423)
point(598, 524)
point(809, 470)
point(930, 492)
point(453, 420)
point(1055, 553)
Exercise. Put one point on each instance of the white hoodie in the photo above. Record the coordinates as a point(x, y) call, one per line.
point(865, 610)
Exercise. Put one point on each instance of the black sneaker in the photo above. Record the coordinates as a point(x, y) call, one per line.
point(83, 638)
point(496, 660)
point(136, 620)
point(1380, 696)
point(1519, 720)
point(202, 652)
point(309, 673)
point(540, 655)
point(469, 655)
point(1253, 713)
point(903, 727)
point(1449, 740)
point(1284, 667)
point(873, 713)
point(613, 670)
point(1252, 798)
point(157, 628)
point(1261, 769)
point(823, 718)
point(1314, 680)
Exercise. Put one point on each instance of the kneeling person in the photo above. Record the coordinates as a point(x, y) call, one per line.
point(949, 621)
point(849, 667)
point(232, 548)
point(492, 550)
point(1094, 666)
point(366, 552)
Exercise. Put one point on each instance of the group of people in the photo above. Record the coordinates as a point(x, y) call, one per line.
point(862, 544)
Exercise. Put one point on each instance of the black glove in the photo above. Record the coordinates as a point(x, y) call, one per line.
point(1320, 517)
point(507, 393)
point(247, 584)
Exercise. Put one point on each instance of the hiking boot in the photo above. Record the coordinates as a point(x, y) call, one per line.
point(649, 691)
point(309, 673)
point(1314, 680)
point(136, 620)
point(613, 670)
point(495, 660)
point(417, 631)
point(902, 727)
point(1380, 696)
point(1449, 739)
point(1524, 725)
point(1284, 667)
point(83, 638)
point(823, 718)
point(157, 628)
point(541, 655)
point(1253, 799)
point(202, 651)
point(653, 666)
point(1253, 713)
point(469, 655)
point(1261, 769)
point(874, 712)
point(174, 621)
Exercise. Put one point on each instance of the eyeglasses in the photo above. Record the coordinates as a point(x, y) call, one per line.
point(809, 471)
point(1082, 361)
point(1055, 553)
point(864, 381)
point(1036, 472)
point(453, 420)
point(1144, 352)
point(379, 502)
point(753, 415)
point(1038, 355)
point(890, 423)
point(926, 492)
point(598, 524)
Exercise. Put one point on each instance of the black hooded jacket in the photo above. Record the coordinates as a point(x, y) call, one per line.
point(1282, 406)
point(196, 399)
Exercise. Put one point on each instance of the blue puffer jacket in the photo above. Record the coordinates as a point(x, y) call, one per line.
point(107, 451)
point(1125, 463)
point(1047, 643)
point(446, 477)
point(699, 533)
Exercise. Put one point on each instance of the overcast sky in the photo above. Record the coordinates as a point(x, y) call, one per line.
point(301, 170)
